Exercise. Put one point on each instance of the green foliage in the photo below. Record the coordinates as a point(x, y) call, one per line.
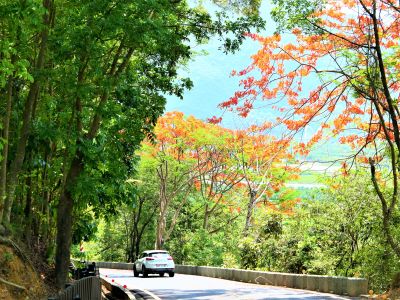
point(7, 257)
point(292, 14)
point(204, 249)
point(116, 196)
point(85, 227)
point(109, 240)
point(247, 7)
point(250, 253)
point(336, 233)
point(230, 261)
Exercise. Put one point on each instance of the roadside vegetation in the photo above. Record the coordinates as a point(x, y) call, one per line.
point(335, 230)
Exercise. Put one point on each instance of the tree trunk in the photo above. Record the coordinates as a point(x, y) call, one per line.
point(135, 241)
point(161, 224)
point(28, 211)
point(137, 246)
point(16, 165)
point(6, 127)
point(162, 172)
point(44, 222)
point(64, 222)
point(206, 217)
point(131, 250)
point(140, 232)
point(250, 208)
point(386, 210)
point(64, 234)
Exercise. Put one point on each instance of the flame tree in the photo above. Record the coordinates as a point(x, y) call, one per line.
point(191, 156)
point(350, 50)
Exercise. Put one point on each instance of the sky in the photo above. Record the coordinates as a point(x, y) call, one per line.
point(212, 81)
point(213, 84)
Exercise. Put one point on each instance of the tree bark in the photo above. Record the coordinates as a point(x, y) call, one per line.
point(139, 232)
point(28, 211)
point(387, 208)
point(386, 211)
point(249, 215)
point(44, 222)
point(161, 223)
point(206, 217)
point(64, 222)
point(162, 172)
point(6, 132)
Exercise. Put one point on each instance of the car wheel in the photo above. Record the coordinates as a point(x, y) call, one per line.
point(144, 272)
point(135, 272)
point(161, 274)
point(171, 274)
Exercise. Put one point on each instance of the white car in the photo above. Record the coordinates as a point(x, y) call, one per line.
point(154, 262)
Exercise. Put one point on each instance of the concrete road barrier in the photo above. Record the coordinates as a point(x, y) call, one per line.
point(329, 284)
point(114, 265)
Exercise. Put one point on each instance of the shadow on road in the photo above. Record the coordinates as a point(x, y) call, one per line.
point(153, 276)
point(241, 294)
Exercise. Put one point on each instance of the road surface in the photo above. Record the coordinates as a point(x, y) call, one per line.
point(201, 288)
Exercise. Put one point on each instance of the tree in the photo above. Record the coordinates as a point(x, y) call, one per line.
point(176, 167)
point(350, 48)
point(263, 161)
point(218, 175)
point(337, 232)
point(20, 61)
point(212, 164)
point(193, 155)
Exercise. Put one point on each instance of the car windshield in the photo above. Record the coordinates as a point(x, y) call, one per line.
point(159, 255)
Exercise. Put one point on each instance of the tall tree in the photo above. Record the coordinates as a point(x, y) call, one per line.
point(161, 47)
point(29, 105)
point(23, 60)
point(175, 168)
point(264, 162)
point(351, 49)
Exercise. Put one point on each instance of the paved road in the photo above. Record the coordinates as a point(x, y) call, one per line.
point(202, 288)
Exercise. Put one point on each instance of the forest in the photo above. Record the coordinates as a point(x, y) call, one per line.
point(90, 158)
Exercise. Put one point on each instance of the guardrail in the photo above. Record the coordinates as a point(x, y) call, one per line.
point(327, 284)
point(88, 288)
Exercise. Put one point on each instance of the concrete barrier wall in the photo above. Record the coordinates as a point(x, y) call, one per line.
point(328, 284)
point(114, 265)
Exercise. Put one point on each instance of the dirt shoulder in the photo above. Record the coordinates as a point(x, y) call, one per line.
point(18, 279)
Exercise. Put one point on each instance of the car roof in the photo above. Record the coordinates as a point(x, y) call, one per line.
point(155, 251)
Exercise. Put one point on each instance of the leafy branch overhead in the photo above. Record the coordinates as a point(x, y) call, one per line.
point(349, 50)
